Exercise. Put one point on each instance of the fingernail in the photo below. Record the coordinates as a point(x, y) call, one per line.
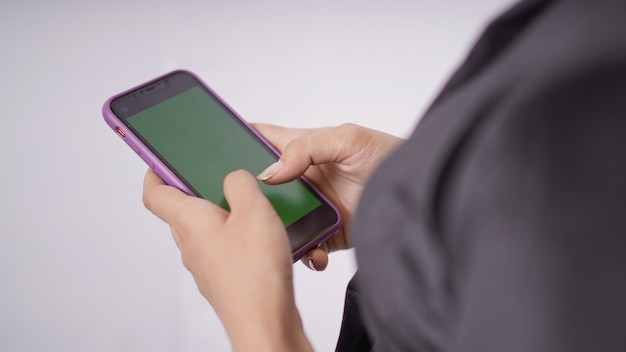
point(312, 264)
point(270, 171)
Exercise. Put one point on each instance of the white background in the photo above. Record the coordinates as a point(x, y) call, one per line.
point(83, 266)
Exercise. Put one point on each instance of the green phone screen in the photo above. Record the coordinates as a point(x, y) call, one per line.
point(202, 142)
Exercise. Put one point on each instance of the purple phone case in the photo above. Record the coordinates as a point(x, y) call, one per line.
point(171, 179)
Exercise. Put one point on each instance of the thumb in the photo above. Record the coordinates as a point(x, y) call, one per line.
point(252, 213)
point(244, 195)
point(314, 147)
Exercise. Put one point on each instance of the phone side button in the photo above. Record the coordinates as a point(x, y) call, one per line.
point(147, 161)
point(132, 146)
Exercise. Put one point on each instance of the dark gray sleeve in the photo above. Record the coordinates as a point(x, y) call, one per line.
point(536, 219)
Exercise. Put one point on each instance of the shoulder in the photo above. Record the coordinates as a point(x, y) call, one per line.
point(570, 97)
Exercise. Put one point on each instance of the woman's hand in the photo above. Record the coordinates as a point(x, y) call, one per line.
point(241, 261)
point(337, 160)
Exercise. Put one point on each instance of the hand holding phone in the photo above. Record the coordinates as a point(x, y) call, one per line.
point(240, 260)
point(339, 160)
point(192, 140)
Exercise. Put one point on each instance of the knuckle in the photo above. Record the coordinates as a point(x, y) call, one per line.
point(147, 201)
point(188, 263)
point(350, 128)
point(354, 138)
point(352, 133)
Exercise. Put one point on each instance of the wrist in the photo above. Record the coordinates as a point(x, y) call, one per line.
point(275, 330)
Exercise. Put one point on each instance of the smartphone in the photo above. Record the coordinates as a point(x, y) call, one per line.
point(192, 139)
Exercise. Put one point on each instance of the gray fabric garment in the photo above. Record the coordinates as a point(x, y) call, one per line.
point(500, 225)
